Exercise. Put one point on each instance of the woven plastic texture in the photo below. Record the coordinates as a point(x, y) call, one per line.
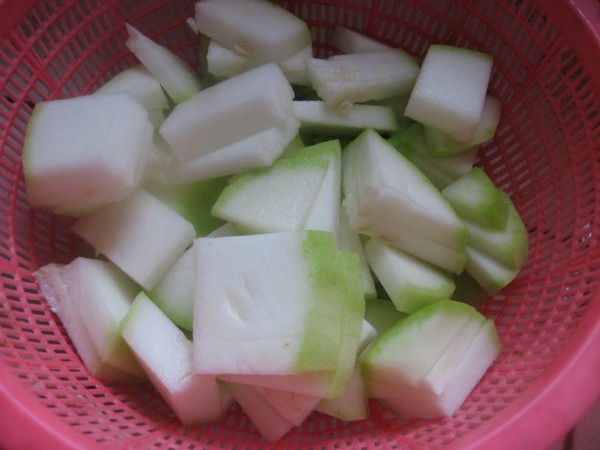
point(545, 155)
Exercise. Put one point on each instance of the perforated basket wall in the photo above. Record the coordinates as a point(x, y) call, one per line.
point(545, 155)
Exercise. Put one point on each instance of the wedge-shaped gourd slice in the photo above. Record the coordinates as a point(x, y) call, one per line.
point(226, 63)
point(347, 40)
point(165, 353)
point(450, 90)
point(223, 62)
point(140, 83)
point(436, 174)
point(270, 424)
point(102, 295)
point(342, 80)
point(62, 288)
point(256, 29)
point(388, 197)
point(427, 364)
point(475, 197)
point(350, 241)
point(509, 244)
point(353, 404)
point(277, 198)
point(408, 350)
point(382, 314)
point(83, 153)
point(105, 295)
point(442, 144)
point(292, 406)
point(258, 150)
point(176, 77)
point(441, 170)
point(316, 117)
point(324, 214)
point(454, 377)
point(491, 274)
point(234, 109)
point(140, 234)
point(411, 283)
point(192, 201)
point(245, 330)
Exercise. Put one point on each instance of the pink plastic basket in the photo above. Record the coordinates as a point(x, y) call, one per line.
point(546, 155)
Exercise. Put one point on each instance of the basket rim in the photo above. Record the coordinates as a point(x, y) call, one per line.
point(25, 418)
point(580, 18)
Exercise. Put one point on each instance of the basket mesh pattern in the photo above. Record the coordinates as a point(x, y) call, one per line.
point(545, 155)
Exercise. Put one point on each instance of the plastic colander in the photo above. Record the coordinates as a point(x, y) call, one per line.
point(546, 155)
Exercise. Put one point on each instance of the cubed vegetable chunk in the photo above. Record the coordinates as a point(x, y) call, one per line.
point(389, 198)
point(256, 29)
point(234, 109)
point(141, 235)
point(245, 328)
point(427, 364)
point(85, 152)
point(450, 90)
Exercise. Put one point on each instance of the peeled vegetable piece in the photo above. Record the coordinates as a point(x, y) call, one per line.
point(256, 29)
point(83, 153)
point(347, 40)
point(441, 144)
point(316, 117)
point(441, 170)
point(246, 330)
point(475, 197)
point(342, 80)
point(140, 83)
point(324, 214)
point(141, 235)
point(290, 405)
point(410, 282)
point(495, 257)
point(491, 274)
point(177, 78)
point(389, 198)
point(270, 424)
point(509, 244)
point(165, 353)
point(223, 62)
point(234, 109)
point(277, 198)
point(258, 150)
point(427, 364)
point(91, 297)
point(450, 90)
